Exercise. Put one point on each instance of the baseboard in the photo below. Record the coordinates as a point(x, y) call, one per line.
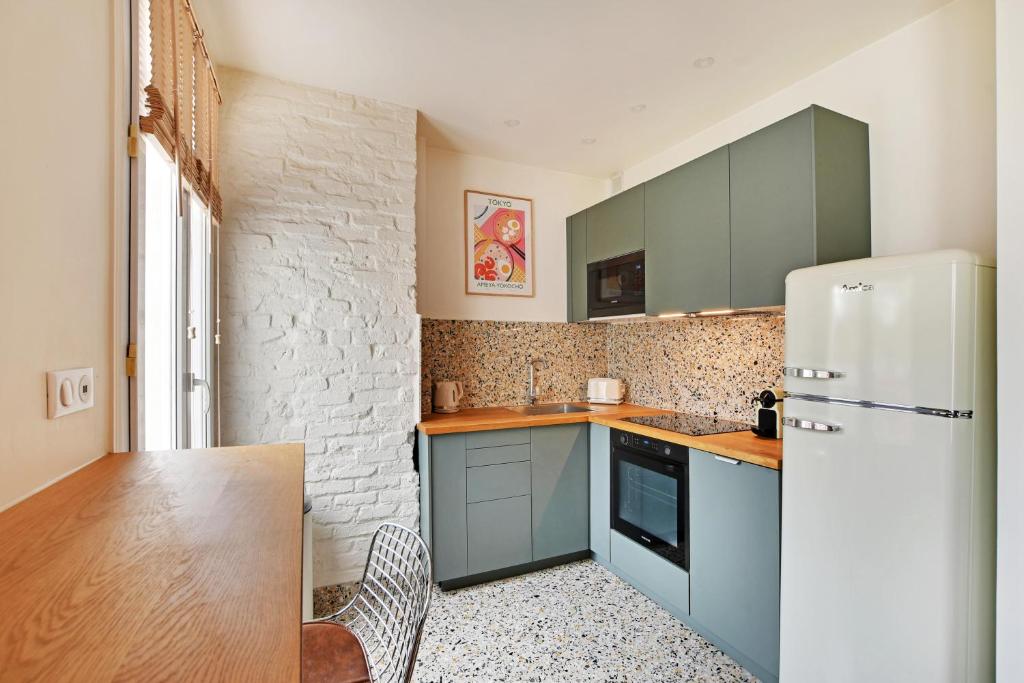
point(504, 573)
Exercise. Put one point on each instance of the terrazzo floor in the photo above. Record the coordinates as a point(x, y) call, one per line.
point(576, 622)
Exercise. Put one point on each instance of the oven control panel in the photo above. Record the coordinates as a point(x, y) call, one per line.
point(645, 444)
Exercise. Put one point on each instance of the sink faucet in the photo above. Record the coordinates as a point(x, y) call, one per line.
point(531, 392)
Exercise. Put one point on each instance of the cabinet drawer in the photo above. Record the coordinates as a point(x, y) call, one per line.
point(498, 437)
point(499, 534)
point(497, 455)
point(492, 482)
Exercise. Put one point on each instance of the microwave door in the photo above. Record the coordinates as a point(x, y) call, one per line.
point(615, 286)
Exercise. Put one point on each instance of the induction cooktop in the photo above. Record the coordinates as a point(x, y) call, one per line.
point(689, 424)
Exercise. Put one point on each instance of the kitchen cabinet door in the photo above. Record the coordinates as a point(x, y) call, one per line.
point(686, 237)
point(447, 497)
point(600, 490)
point(559, 469)
point(498, 534)
point(576, 243)
point(735, 554)
point(772, 210)
point(799, 196)
point(616, 225)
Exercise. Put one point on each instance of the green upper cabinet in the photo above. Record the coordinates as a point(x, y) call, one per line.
point(799, 196)
point(576, 243)
point(616, 225)
point(686, 237)
point(724, 230)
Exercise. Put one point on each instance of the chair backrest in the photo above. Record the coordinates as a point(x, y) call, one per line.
point(388, 612)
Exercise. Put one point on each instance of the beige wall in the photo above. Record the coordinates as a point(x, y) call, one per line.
point(1010, 543)
point(927, 92)
point(444, 175)
point(55, 233)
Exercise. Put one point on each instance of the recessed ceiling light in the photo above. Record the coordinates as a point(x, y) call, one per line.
point(703, 62)
point(588, 141)
point(512, 123)
point(637, 108)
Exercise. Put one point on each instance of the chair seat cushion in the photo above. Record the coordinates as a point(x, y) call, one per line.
point(332, 654)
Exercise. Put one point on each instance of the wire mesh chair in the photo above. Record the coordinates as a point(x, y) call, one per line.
point(388, 612)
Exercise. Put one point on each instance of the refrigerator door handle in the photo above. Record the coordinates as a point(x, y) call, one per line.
point(800, 423)
point(811, 373)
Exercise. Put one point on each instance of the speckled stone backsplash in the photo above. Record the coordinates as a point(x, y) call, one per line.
point(708, 366)
point(490, 358)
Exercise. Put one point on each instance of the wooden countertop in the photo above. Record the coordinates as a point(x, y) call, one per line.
point(172, 565)
point(482, 419)
point(743, 446)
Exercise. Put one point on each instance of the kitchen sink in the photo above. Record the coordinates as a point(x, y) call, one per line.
point(550, 409)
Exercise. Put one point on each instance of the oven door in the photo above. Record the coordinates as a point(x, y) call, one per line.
point(649, 501)
point(616, 286)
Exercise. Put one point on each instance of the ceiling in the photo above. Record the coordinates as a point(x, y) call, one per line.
point(595, 85)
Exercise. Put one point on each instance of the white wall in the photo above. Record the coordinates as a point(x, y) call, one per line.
point(318, 300)
point(1010, 275)
point(440, 256)
point(56, 73)
point(927, 92)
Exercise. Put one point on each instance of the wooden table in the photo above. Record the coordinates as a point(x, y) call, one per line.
point(161, 566)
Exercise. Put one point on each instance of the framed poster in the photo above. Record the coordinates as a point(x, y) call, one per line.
point(498, 244)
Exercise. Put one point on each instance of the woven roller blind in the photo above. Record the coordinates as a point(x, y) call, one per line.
point(182, 98)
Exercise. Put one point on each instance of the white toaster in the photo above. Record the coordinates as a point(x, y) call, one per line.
point(605, 390)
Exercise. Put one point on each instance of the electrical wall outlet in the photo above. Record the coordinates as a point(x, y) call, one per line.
point(68, 391)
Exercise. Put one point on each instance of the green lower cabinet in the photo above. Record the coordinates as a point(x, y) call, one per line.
point(504, 500)
point(560, 467)
point(499, 534)
point(600, 491)
point(734, 551)
point(447, 512)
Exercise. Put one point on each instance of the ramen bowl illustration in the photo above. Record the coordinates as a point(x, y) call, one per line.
point(492, 261)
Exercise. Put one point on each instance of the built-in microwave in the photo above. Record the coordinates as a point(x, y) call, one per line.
point(615, 286)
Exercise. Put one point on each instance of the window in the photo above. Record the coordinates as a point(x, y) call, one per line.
point(175, 215)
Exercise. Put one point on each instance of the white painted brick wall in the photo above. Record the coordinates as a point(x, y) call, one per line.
point(318, 299)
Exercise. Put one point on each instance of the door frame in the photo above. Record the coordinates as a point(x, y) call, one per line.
point(122, 216)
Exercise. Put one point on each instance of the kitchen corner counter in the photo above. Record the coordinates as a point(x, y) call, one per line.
point(484, 419)
point(743, 446)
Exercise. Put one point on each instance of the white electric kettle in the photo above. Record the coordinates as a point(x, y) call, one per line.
point(446, 397)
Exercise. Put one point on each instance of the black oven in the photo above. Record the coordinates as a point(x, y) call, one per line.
point(650, 494)
point(615, 286)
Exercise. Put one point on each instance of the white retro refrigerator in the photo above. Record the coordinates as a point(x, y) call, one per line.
point(888, 477)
